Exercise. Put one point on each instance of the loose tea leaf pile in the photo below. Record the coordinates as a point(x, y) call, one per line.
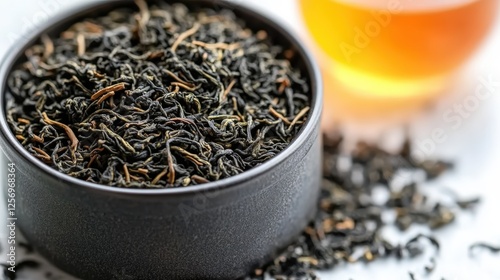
point(350, 219)
point(160, 97)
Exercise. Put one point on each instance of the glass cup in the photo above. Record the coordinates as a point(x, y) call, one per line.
point(395, 49)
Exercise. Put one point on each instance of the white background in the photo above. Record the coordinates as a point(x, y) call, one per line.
point(475, 146)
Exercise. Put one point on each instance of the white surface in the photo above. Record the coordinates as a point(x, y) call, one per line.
point(474, 145)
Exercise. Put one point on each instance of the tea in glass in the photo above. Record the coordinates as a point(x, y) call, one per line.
point(397, 47)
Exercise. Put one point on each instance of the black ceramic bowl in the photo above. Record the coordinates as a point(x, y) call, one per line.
point(219, 230)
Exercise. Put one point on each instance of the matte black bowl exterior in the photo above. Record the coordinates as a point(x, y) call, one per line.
point(219, 230)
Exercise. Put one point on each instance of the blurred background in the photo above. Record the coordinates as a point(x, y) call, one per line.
point(430, 67)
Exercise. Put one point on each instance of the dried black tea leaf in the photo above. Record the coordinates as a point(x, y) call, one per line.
point(26, 246)
point(8, 274)
point(483, 245)
point(434, 169)
point(19, 267)
point(468, 203)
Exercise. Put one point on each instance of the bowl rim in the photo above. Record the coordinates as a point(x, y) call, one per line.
point(313, 122)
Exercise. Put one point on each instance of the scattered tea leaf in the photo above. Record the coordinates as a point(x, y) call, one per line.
point(483, 245)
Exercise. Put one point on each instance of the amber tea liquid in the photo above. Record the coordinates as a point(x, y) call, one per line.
point(396, 47)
